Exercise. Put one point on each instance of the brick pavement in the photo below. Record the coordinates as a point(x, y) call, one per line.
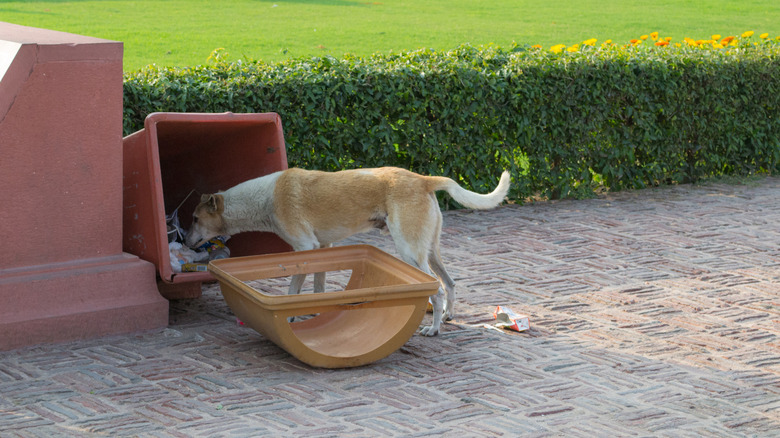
point(653, 313)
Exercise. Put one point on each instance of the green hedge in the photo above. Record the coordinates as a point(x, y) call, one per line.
point(564, 123)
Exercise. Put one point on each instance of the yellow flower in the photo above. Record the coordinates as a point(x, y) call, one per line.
point(654, 35)
point(716, 46)
point(607, 42)
point(677, 45)
point(763, 36)
point(716, 37)
point(558, 48)
point(590, 42)
point(573, 48)
point(668, 39)
point(748, 34)
point(643, 37)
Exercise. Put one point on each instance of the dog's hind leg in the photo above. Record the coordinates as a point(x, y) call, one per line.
point(449, 284)
point(412, 229)
point(434, 260)
point(437, 300)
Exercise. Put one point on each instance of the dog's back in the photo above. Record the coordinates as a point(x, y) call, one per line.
point(341, 203)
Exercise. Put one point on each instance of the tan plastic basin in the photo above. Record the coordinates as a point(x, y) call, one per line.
point(379, 309)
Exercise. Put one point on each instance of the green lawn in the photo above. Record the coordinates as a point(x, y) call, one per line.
point(185, 32)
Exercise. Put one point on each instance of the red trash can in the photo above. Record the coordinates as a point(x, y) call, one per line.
point(177, 153)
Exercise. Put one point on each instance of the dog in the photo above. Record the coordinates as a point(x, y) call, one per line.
point(312, 209)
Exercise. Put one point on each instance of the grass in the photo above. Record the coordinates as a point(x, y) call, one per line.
point(185, 32)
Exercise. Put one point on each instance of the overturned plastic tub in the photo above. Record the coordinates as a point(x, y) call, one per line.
point(380, 308)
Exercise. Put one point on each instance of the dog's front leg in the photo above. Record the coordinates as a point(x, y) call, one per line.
point(296, 284)
point(319, 277)
point(438, 309)
point(302, 243)
point(319, 282)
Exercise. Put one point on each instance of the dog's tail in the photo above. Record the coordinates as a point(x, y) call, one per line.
point(470, 199)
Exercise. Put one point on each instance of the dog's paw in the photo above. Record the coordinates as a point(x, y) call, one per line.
point(429, 331)
point(449, 311)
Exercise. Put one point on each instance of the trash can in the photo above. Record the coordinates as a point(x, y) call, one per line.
point(175, 159)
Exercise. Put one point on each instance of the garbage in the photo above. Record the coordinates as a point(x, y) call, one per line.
point(175, 232)
point(216, 248)
point(508, 319)
point(185, 259)
point(182, 255)
point(194, 267)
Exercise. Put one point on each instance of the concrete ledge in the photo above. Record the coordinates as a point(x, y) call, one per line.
point(64, 275)
point(80, 300)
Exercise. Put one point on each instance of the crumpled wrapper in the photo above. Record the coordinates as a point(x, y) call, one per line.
point(508, 319)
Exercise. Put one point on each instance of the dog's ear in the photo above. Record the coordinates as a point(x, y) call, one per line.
point(214, 203)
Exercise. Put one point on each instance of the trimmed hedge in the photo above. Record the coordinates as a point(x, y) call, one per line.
point(564, 123)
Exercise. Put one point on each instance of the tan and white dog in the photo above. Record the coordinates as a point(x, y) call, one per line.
point(313, 209)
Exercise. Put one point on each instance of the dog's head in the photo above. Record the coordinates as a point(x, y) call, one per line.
point(207, 221)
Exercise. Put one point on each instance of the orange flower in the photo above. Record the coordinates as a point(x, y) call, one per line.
point(662, 43)
point(727, 40)
point(654, 35)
